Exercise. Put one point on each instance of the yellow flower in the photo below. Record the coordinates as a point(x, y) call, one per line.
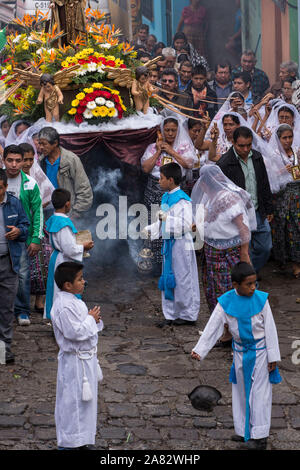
point(115, 92)
point(103, 111)
point(112, 112)
point(9, 67)
point(26, 45)
point(75, 103)
point(97, 85)
point(88, 90)
point(96, 112)
point(111, 57)
point(65, 64)
point(72, 111)
point(80, 96)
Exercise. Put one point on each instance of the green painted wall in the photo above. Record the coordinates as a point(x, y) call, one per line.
point(251, 27)
point(294, 45)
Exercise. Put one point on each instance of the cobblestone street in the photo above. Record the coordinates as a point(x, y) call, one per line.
point(148, 373)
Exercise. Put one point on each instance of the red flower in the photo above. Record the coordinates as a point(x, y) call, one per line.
point(80, 109)
point(110, 63)
point(83, 103)
point(123, 66)
point(78, 118)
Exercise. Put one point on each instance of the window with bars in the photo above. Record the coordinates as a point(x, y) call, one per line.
point(147, 9)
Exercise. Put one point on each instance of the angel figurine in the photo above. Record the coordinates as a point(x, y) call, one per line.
point(51, 87)
point(51, 96)
point(142, 89)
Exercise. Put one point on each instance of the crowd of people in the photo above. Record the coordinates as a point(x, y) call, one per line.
point(228, 145)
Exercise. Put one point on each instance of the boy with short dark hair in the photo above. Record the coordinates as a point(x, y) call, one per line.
point(248, 315)
point(76, 332)
point(62, 234)
point(179, 280)
point(204, 97)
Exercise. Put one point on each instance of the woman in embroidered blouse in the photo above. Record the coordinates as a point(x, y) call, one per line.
point(173, 144)
point(228, 217)
point(286, 222)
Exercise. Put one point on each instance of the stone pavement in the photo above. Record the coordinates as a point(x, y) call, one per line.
point(148, 373)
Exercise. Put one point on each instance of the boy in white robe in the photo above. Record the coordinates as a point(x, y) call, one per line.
point(179, 282)
point(76, 333)
point(247, 313)
point(62, 234)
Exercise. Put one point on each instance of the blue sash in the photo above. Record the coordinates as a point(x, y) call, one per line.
point(243, 309)
point(167, 281)
point(53, 225)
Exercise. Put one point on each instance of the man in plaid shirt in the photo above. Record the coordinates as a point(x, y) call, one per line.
point(260, 80)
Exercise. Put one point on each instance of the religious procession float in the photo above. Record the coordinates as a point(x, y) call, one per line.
point(68, 69)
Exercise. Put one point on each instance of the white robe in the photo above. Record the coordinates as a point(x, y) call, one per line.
point(186, 304)
point(263, 326)
point(65, 242)
point(75, 330)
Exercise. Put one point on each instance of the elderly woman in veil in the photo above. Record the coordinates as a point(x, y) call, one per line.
point(173, 144)
point(286, 223)
point(227, 215)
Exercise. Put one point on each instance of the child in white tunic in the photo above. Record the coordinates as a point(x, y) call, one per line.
point(247, 313)
point(179, 282)
point(62, 234)
point(76, 333)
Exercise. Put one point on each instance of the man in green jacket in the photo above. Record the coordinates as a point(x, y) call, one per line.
point(26, 189)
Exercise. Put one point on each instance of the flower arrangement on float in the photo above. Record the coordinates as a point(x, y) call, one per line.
point(38, 50)
point(97, 103)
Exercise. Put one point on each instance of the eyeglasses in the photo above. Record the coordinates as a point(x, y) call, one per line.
point(168, 81)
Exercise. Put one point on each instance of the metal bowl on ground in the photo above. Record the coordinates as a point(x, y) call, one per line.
point(204, 397)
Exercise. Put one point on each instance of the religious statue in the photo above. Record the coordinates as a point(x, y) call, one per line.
point(69, 16)
point(51, 96)
point(142, 89)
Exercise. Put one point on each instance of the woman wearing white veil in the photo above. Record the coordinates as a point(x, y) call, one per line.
point(286, 223)
point(283, 113)
point(4, 129)
point(173, 144)
point(227, 215)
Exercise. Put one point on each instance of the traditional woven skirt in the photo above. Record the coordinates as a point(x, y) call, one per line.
point(286, 225)
point(39, 267)
point(216, 272)
point(152, 196)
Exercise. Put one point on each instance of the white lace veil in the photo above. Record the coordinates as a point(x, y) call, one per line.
point(36, 172)
point(183, 143)
point(218, 194)
point(273, 121)
point(277, 154)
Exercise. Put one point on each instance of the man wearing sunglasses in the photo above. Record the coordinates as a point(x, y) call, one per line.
point(171, 92)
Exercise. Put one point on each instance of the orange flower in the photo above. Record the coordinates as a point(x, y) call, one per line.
point(79, 41)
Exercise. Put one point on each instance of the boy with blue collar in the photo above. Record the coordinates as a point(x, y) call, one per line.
point(179, 280)
point(248, 315)
point(62, 234)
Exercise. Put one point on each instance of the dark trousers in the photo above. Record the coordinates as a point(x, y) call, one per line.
point(8, 292)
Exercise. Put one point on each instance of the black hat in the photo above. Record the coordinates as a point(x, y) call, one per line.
point(204, 397)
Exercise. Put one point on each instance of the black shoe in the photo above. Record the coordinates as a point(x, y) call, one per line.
point(180, 321)
point(164, 323)
point(256, 444)
point(9, 357)
point(237, 438)
point(87, 447)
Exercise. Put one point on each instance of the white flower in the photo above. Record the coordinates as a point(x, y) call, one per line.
point(92, 67)
point(100, 68)
point(91, 105)
point(4, 72)
point(109, 104)
point(100, 101)
point(81, 72)
point(41, 50)
point(106, 46)
point(17, 38)
point(87, 114)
